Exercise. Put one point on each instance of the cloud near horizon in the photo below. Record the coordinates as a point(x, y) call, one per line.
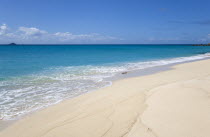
point(196, 22)
point(32, 35)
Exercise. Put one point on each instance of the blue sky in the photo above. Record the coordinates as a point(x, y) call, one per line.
point(105, 21)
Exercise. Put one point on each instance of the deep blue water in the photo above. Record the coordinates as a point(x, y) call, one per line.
point(36, 76)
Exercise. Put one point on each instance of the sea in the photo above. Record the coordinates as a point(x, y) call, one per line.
point(33, 77)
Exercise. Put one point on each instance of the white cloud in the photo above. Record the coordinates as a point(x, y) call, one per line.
point(93, 36)
point(35, 35)
point(3, 29)
point(31, 31)
point(206, 39)
point(66, 36)
point(165, 39)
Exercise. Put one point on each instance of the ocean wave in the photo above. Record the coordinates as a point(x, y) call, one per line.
point(21, 95)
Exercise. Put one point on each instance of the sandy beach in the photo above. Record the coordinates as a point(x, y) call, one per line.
point(173, 103)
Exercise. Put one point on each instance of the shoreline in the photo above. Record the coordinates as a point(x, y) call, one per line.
point(133, 69)
point(139, 105)
point(130, 74)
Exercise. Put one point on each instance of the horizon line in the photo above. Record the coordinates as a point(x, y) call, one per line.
point(104, 44)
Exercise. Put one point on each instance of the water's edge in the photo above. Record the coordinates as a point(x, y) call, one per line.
point(130, 74)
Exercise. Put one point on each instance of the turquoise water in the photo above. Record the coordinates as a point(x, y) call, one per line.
point(36, 76)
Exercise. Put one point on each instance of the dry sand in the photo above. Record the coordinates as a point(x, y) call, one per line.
point(174, 103)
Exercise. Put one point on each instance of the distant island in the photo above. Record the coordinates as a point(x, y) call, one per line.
point(12, 44)
point(201, 44)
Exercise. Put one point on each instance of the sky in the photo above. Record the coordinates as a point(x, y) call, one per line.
point(105, 21)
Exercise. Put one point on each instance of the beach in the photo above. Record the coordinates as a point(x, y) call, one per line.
point(172, 103)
